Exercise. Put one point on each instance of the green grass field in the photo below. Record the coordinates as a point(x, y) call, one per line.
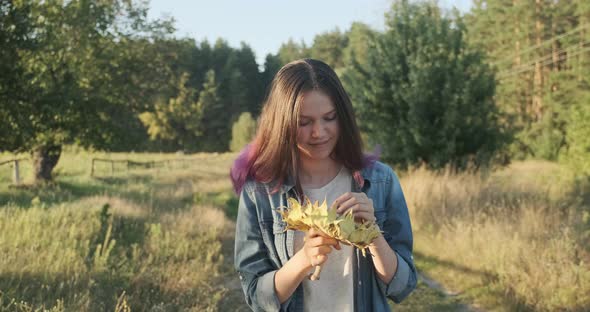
point(161, 239)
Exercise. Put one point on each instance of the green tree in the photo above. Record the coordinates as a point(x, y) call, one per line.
point(328, 47)
point(15, 25)
point(291, 51)
point(272, 64)
point(215, 136)
point(243, 132)
point(178, 119)
point(538, 49)
point(75, 74)
point(424, 94)
point(358, 42)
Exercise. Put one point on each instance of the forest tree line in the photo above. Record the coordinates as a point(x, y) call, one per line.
point(508, 80)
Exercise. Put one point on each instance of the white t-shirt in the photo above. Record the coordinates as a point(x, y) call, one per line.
point(333, 291)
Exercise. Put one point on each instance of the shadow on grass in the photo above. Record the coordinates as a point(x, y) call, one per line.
point(430, 261)
point(63, 191)
point(223, 200)
point(99, 291)
point(491, 293)
point(424, 298)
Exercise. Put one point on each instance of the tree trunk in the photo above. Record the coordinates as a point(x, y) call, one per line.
point(519, 91)
point(44, 160)
point(537, 108)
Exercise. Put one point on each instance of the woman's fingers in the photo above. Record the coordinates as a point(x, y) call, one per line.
point(314, 233)
point(315, 238)
point(346, 204)
point(321, 250)
point(319, 260)
point(322, 240)
point(358, 204)
point(365, 216)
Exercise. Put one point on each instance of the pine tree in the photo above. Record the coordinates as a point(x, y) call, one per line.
point(215, 136)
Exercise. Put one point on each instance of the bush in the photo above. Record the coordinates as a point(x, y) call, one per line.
point(243, 131)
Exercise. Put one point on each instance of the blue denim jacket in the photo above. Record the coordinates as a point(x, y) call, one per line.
point(262, 245)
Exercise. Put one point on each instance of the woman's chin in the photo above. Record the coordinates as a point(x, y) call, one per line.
point(318, 156)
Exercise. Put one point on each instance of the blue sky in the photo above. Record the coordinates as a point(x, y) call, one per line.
point(266, 24)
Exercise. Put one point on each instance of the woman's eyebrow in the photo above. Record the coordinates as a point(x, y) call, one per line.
point(303, 116)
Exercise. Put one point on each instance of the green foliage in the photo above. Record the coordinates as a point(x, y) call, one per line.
point(216, 84)
point(291, 51)
point(215, 136)
point(272, 64)
point(357, 44)
point(74, 60)
point(578, 136)
point(243, 132)
point(424, 94)
point(540, 53)
point(178, 120)
point(328, 47)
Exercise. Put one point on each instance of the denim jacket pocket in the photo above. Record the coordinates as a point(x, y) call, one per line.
point(279, 230)
point(279, 227)
point(268, 236)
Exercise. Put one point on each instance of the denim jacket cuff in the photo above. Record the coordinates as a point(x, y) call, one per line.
point(399, 282)
point(266, 294)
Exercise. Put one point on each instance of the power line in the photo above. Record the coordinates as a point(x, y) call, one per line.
point(570, 49)
point(569, 33)
point(551, 61)
point(529, 68)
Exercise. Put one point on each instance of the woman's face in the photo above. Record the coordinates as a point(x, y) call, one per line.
point(318, 129)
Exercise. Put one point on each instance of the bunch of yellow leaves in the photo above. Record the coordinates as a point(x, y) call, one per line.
point(341, 227)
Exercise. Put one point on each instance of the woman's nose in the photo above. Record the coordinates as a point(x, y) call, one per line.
point(317, 130)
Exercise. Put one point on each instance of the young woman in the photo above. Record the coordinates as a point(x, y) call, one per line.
point(308, 144)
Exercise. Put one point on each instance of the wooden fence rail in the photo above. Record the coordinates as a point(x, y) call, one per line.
point(131, 164)
point(16, 172)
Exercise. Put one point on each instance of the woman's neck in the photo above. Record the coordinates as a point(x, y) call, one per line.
point(318, 173)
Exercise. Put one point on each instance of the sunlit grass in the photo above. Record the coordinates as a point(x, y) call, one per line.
point(141, 239)
point(514, 240)
point(162, 238)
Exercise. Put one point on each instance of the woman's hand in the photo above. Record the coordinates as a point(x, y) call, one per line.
point(317, 246)
point(360, 205)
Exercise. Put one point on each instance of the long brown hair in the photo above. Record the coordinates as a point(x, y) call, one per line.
point(273, 155)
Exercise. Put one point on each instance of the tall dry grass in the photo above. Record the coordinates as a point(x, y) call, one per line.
point(515, 239)
point(145, 240)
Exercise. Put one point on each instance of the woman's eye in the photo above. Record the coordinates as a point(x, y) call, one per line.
point(305, 123)
point(332, 118)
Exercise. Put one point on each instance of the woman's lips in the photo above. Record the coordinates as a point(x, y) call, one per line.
point(320, 144)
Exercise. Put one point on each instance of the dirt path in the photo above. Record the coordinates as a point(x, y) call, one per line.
point(449, 294)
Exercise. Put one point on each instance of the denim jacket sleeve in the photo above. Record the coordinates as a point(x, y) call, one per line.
point(251, 259)
point(398, 234)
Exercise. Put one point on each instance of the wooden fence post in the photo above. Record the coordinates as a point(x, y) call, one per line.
point(92, 168)
point(16, 173)
point(112, 168)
